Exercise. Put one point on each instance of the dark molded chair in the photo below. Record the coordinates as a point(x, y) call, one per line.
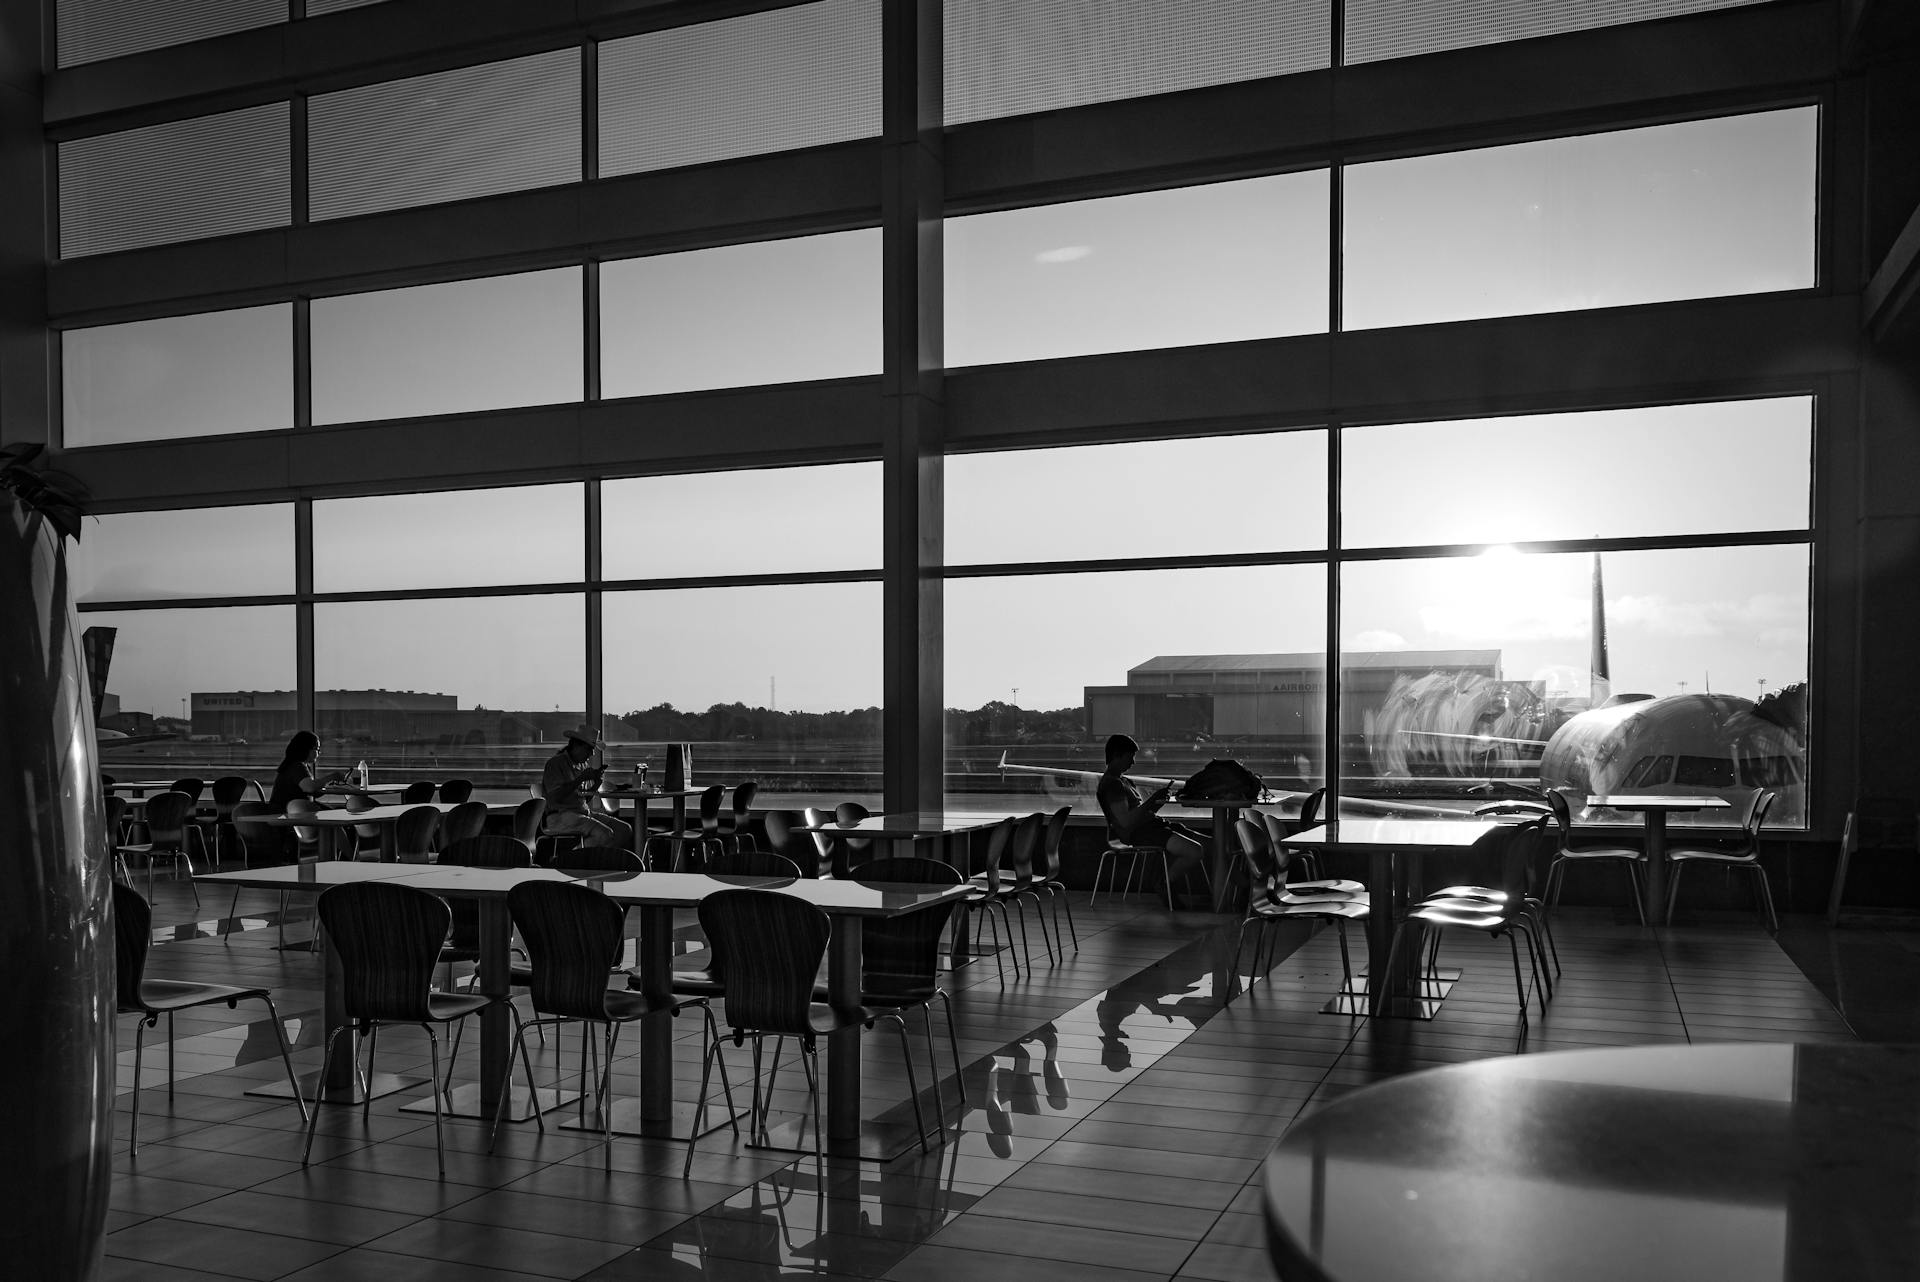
point(306, 837)
point(194, 788)
point(1013, 883)
point(152, 998)
point(387, 938)
point(1875, 826)
point(1629, 857)
point(527, 818)
point(900, 956)
point(366, 837)
point(734, 823)
point(752, 863)
point(785, 838)
point(574, 937)
point(849, 852)
point(170, 829)
point(1506, 852)
point(456, 791)
point(228, 792)
point(413, 834)
point(463, 939)
point(1744, 855)
point(705, 838)
point(774, 945)
point(1272, 900)
point(1046, 872)
point(419, 792)
point(466, 819)
point(113, 815)
point(261, 846)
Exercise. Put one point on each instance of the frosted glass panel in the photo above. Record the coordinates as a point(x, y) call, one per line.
point(208, 374)
point(1210, 264)
point(1692, 210)
point(491, 343)
point(776, 311)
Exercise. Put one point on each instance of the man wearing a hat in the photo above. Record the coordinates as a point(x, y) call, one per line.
point(566, 783)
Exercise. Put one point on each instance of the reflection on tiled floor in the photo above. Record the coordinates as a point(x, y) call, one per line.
point(1118, 1106)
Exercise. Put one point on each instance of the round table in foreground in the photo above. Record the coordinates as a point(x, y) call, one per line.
point(1708, 1163)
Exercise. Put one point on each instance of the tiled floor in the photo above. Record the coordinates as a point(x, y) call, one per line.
point(1119, 1104)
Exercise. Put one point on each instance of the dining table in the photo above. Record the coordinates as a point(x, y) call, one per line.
point(640, 800)
point(1394, 850)
point(1654, 809)
point(1737, 1161)
point(339, 819)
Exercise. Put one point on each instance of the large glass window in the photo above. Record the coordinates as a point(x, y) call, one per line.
point(792, 77)
point(452, 135)
point(1193, 663)
point(196, 552)
point(449, 539)
point(1012, 57)
point(1714, 468)
point(1379, 29)
point(208, 374)
point(1263, 492)
point(765, 521)
point(777, 683)
point(90, 30)
point(1690, 210)
point(492, 343)
point(1208, 264)
point(775, 311)
point(201, 692)
point(477, 687)
point(208, 176)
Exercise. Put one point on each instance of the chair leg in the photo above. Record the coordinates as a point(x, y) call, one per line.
point(320, 1087)
point(1633, 885)
point(139, 1045)
point(286, 1055)
point(1066, 900)
point(1673, 889)
point(808, 1060)
point(953, 1041)
point(913, 1088)
point(233, 909)
point(1105, 865)
point(373, 1048)
point(933, 1071)
point(606, 1096)
point(1765, 898)
point(1346, 961)
point(1519, 985)
point(439, 1140)
point(500, 1107)
point(700, 1107)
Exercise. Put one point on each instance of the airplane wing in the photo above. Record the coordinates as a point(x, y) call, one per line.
point(1538, 745)
point(1063, 778)
point(1068, 777)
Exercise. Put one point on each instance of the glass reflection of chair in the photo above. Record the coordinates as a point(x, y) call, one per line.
point(1875, 826)
point(413, 834)
point(999, 886)
point(170, 825)
point(152, 998)
point(419, 792)
point(1630, 857)
point(1046, 872)
point(1275, 900)
point(1743, 855)
point(900, 957)
point(773, 945)
point(387, 940)
point(574, 937)
point(1508, 850)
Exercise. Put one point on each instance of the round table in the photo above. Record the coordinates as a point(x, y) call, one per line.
point(1698, 1163)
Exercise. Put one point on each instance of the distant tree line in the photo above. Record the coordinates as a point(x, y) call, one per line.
point(995, 722)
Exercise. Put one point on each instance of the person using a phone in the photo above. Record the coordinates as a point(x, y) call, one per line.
point(568, 782)
point(1135, 819)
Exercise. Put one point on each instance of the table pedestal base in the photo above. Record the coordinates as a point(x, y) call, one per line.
point(382, 1084)
point(627, 1120)
point(464, 1101)
point(1433, 989)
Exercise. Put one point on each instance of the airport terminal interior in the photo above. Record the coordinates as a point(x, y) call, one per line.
point(892, 399)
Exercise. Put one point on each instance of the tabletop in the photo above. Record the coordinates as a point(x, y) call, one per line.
point(1652, 1163)
point(923, 823)
point(1637, 801)
point(1407, 834)
point(342, 818)
point(849, 898)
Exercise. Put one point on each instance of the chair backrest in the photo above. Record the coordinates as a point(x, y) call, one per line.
point(191, 786)
point(527, 817)
point(856, 848)
point(822, 844)
point(1046, 860)
point(167, 817)
point(114, 817)
point(490, 851)
point(1011, 861)
point(228, 791)
point(773, 945)
point(599, 859)
point(299, 808)
point(710, 800)
point(1265, 866)
point(468, 819)
point(574, 937)
point(1562, 814)
point(742, 802)
point(386, 938)
point(258, 839)
point(356, 803)
point(752, 863)
point(900, 956)
point(417, 792)
point(413, 834)
point(455, 791)
point(1310, 808)
point(784, 838)
point(1504, 857)
point(997, 838)
point(132, 935)
point(1757, 817)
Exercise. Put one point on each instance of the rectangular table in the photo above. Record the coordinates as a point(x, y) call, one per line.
point(1654, 810)
point(654, 896)
point(1392, 848)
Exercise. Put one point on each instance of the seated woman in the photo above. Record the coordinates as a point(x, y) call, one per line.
point(1137, 821)
point(295, 778)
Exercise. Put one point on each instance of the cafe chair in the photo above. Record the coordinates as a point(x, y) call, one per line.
point(413, 834)
point(849, 852)
point(822, 844)
point(1046, 872)
point(1509, 849)
point(228, 792)
point(466, 819)
point(194, 788)
point(366, 837)
point(785, 839)
point(705, 838)
point(1278, 828)
point(1137, 856)
point(735, 823)
point(1629, 857)
point(752, 863)
point(900, 957)
point(1745, 855)
point(1521, 892)
point(1875, 826)
point(998, 886)
point(419, 792)
point(135, 994)
point(463, 935)
point(575, 936)
point(260, 847)
point(113, 815)
point(1274, 900)
point(306, 836)
point(386, 940)
point(170, 828)
point(774, 945)
point(454, 792)
point(998, 838)
point(527, 818)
